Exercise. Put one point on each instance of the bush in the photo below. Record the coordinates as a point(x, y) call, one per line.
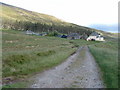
point(47, 53)
point(71, 42)
point(54, 33)
point(76, 45)
point(14, 60)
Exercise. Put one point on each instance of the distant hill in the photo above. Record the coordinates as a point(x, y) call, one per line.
point(20, 19)
point(108, 28)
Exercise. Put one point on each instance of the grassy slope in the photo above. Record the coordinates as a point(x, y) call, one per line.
point(106, 55)
point(39, 53)
point(14, 13)
point(24, 55)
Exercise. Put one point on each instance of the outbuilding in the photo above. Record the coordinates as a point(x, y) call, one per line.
point(73, 36)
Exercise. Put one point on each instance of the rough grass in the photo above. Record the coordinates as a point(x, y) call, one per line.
point(47, 53)
point(106, 55)
point(16, 85)
point(14, 13)
point(24, 55)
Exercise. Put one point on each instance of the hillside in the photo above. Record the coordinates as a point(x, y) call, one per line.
point(14, 13)
point(21, 19)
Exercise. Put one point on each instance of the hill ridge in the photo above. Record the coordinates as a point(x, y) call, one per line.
point(18, 18)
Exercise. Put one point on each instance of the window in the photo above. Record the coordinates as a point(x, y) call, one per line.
point(97, 37)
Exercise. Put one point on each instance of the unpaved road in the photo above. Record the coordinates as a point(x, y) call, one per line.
point(78, 71)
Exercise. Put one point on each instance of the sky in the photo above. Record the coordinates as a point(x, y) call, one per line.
point(81, 12)
point(109, 28)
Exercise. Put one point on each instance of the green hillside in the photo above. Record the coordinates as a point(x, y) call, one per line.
point(21, 19)
point(14, 13)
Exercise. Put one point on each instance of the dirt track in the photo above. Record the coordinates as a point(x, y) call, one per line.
point(78, 71)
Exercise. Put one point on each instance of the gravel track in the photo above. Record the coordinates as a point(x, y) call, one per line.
point(78, 71)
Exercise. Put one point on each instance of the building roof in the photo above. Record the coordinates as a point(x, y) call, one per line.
point(94, 34)
point(73, 34)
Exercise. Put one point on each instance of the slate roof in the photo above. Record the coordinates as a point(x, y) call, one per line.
point(73, 34)
point(94, 34)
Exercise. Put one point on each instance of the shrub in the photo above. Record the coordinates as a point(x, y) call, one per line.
point(54, 33)
point(71, 42)
point(47, 53)
point(14, 60)
point(76, 45)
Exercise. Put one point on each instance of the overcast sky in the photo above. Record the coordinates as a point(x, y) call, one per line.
point(81, 12)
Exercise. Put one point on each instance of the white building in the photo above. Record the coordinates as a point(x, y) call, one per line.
point(95, 37)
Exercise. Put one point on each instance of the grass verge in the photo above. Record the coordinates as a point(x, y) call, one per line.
point(106, 55)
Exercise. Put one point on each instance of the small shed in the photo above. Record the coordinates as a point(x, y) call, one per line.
point(73, 36)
